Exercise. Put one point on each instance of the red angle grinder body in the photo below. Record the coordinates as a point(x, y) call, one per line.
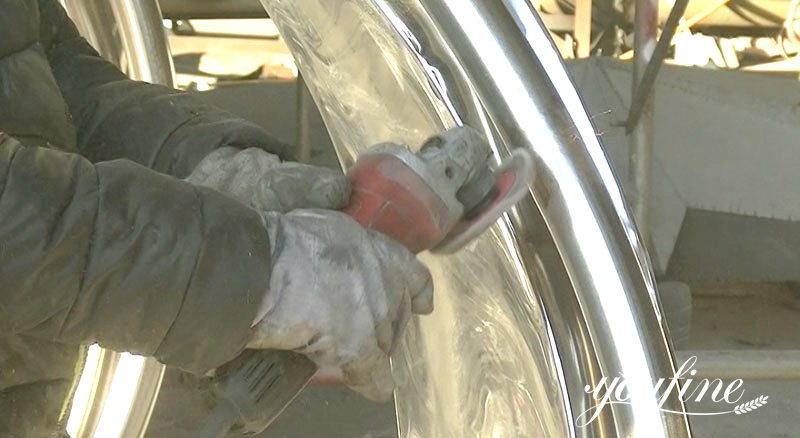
point(438, 199)
point(389, 197)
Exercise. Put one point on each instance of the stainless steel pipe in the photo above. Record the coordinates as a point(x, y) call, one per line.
point(130, 34)
point(560, 292)
point(642, 135)
point(95, 21)
point(144, 41)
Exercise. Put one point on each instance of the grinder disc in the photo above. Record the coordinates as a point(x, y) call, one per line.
point(512, 182)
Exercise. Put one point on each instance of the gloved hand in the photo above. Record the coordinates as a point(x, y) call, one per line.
point(260, 180)
point(338, 293)
point(341, 295)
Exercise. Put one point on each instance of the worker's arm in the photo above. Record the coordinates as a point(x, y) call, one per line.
point(118, 254)
point(158, 127)
point(134, 260)
point(338, 293)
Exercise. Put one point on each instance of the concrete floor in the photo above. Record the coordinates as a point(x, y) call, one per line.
point(749, 317)
point(745, 316)
point(778, 419)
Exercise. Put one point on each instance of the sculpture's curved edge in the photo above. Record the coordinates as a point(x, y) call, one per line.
point(492, 65)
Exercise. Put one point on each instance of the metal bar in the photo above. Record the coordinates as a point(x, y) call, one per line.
point(641, 134)
point(305, 107)
point(685, 24)
point(100, 385)
point(643, 90)
point(235, 36)
point(128, 33)
point(93, 19)
point(609, 41)
point(145, 401)
point(583, 27)
point(744, 364)
point(144, 41)
point(560, 293)
point(189, 9)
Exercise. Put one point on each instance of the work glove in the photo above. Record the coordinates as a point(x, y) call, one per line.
point(338, 293)
point(341, 295)
point(260, 180)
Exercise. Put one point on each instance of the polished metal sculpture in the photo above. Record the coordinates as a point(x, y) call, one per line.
point(560, 293)
point(128, 33)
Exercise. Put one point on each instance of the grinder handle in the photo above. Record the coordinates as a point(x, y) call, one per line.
point(388, 197)
point(254, 389)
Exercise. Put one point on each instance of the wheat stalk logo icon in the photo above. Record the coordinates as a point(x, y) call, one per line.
point(750, 406)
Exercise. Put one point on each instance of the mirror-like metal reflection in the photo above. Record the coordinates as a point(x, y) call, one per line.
point(128, 33)
point(560, 292)
point(458, 372)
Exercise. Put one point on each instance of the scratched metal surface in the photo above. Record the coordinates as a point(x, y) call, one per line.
point(459, 370)
point(521, 323)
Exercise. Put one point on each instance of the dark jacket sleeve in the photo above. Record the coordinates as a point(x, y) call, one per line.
point(118, 254)
point(159, 127)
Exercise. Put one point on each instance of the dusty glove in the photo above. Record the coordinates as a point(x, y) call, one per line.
point(341, 295)
point(260, 180)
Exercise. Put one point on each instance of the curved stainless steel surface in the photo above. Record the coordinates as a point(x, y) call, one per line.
point(144, 41)
point(560, 292)
point(130, 34)
point(95, 20)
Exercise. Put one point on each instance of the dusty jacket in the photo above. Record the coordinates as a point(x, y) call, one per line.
point(97, 243)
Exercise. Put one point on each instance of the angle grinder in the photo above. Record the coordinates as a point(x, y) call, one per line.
point(436, 199)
